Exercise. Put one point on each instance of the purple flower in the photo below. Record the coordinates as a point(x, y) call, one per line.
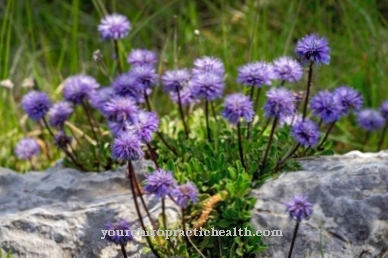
point(299, 208)
point(114, 26)
point(142, 57)
point(26, 148)
point(119, 128)
point(161, 183)
point(238, 105)
point(147, 123)
point(349, 98)
point(61, 140)
point(306, 133)
point(186, 95)
point(326, 106)
point(36, 104)
point(287, 69)
point(145, 76)
point(384, 110)
point(100, 97)
point(79, 87)
point(290, 120)
point(126, 85)
point(255, 74)
point(122, 233)
point(185, 193)
point(208, 64)
point(121, 109)
point(208, 86)
point(280, 102)
point(127, 146)
point(59, 113)
point(312, 48)
point(370, 120)
point(175, 80)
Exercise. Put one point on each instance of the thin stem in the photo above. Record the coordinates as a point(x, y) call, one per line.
point(309, 83)
point(275, 121)
point(214, 111)
point(382, 137)
point(320, 123)
point(184, 224)
point(293, 239)
point(289, 155)
point(89, 118)
point(152, 154)
point(123, 251)
point(116, 43)
point(257, 99)
point(326, 135)
point(182, 114)
point(32, 164)
point(240, 147)
point(164, 213)
point(147, 101)
point(207, 120)
point(265, 125)
point(250, 123)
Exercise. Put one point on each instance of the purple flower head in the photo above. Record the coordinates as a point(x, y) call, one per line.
point(208, 64)
point(36, 104)
point(127, 146)
point(79, 87)
point(59, 113)
point(26, 148)
point(299, 208)
point(306, 133)
point(161, 183)
point(280, 102)
point(326, 106)
point(61, 140)
point(349, 98)
point(175, 80)
point(145, 76)
point(370, 119)
point(287, 69)
point(255, 74)
point(126, 85)
point(384, 110)
point(114, 26)
point(122, 232)
point(208, 86)
point(147, 123)
point(100, 97)
point(186, 95)
point(312, 48)
point(290, 120)
point(185, 193)
point(238, 105)
point(142, 57)
point(121, 109)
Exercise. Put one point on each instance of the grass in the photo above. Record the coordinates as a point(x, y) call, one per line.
point(49, 40)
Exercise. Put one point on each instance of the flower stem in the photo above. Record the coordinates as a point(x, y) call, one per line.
point(123, 251)
point(275, 121)
point(331, 126)
point(116, 43)
point(152, 154)
point(309, 83)
point(89, 118)
point(265, 126)
point(164, 213)
point(32, 164)
point(289, 155)
point(214, 111)
point(182, 114)
point(257, 99)
point(250, 123)
point(293, 239)
point(240, 147)
point(382, 137)
point(207, 120)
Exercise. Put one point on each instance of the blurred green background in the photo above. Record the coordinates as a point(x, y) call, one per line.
point(44, 41)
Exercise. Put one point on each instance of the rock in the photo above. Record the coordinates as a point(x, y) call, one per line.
point(350, 212)
point(60, 212)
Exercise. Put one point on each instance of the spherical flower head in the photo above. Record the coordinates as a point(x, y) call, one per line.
point(79, 87)
point(127, 146)
point(326, 106)
point(161, 183)
point(185, 193)
point(175, 80)
point(236, 106)
point(145, 75)
point(290, 120)
point(299, 208)
point(186, 94)
point(208, 86)
point(349, 98)
point(208, 64)
point(384, 110)
point(255, 74)
point(306, 133)
point(146, 125)
point(61, 140)
point(59, 113)
point(280, 102)
point(26, 148)
point(313, 48)
point(100, 97)
point(287, 69)
point(370, 120)
point(120, 109)
point(36, 104)
point(122, 232)
point(126, 85)
point(142, 57)
point(114, 26)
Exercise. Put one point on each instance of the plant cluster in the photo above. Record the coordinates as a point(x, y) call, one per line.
point(209, 152)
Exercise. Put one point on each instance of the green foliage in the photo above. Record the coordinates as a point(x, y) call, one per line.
point(7, 255)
